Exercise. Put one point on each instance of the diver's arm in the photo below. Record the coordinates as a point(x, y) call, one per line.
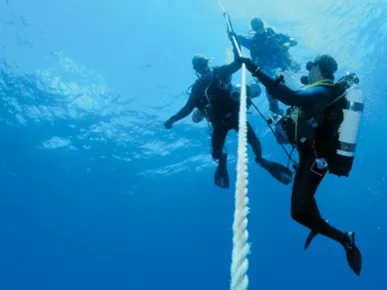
point(284, 37)
point(185, 111)
point(281, 92)
point(288, 96)
point(228, 69)
point(298, 98)
point(246, 42)
point(288, 41)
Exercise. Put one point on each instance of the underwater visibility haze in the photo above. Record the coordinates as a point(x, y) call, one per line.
point(97, 194)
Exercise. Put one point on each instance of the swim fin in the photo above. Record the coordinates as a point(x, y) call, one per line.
point(353, 253)
point(277, 170)
point(221, 177)
point(309, 239)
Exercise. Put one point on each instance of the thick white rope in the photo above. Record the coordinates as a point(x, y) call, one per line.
point(241, 248)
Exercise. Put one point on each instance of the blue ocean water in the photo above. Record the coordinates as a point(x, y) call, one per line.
point(96, 194)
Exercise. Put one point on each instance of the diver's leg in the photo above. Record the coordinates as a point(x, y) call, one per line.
point(218, 138)
point(305, 211)
point(219, 134)
point(304, 208)
point(254, 142)
point(277, 170)
point(252, 138)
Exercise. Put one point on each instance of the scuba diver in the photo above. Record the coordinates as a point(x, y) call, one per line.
point(252, 91)
point(323, 125)
point(211, 95)
point(270, 51)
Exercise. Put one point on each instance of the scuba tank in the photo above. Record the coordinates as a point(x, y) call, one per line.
point(337, 136)
point(350, 105)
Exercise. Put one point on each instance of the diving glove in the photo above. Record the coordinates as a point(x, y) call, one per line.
point(250, 65)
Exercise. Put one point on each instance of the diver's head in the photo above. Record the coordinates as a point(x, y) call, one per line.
point(257, 25)
point(200, 64)
point(322, 67)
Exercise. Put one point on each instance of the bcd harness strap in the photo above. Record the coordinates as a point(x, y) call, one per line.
point(326, 83)
point(298, 111)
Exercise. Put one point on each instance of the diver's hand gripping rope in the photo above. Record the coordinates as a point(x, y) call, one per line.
point(241, 248)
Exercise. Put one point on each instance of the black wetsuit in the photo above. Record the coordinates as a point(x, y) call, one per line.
point(223, 111)
point(304, 208)
point(269, 53)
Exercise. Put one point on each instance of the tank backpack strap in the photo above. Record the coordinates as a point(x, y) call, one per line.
point(346, 81)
